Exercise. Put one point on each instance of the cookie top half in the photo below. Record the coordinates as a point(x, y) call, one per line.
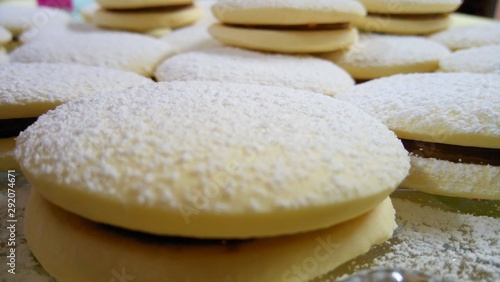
point(287, 12)
point(212, 160)
point(450, 108)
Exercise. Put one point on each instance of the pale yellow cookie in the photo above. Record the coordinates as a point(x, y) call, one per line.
point(377, 55)
point(284, 41)
point(404, 26)
point(485, 59)
point(7, 160)
point(212, 160)
point(190, 38)
point(18, 19)
point(143, 21)
point(273, 12)
point(5, 36)
point(134, 4)
point(66, 244)
point(411, 6)
point(228, 64)
point(469, 36)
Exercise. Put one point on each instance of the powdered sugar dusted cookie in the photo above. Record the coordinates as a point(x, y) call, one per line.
point(30, 90)
point(119, 50)
point(190, 38)
point(212, 160)
point(286, 26)
point(377, 55)
point(407, 16)
point(147, 20)
point(227, 64)
point(450, 122)
point(469, 36)
point(148, 258)
point(5, 36)
point(485, 59)
point(18, 19)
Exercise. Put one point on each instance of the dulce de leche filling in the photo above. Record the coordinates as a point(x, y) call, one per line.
point(453, 153)
point(12, 127)
point(166, 9)
point(410, 16)
point(310, 26)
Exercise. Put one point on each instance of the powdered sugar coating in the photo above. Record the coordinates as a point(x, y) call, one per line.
point(5, 36)
point(190, 38)
point(18, 19)
point(469, 36)
point(120, 50)
point(451, 108)
point(162, 146)
point(43, 86)
point(376, 50)
point(228, 64)
point(485, 59)
point(58, 31)
point(343, 6)
point(442, 177)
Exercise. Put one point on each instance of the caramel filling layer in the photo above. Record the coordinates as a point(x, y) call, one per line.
point(311, 26)
point(453, 153)
point(12, 127)
point(172, 8)
point(409, 16)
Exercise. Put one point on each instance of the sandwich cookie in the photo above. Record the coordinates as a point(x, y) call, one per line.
point(377, 55)
point(30, 90)
point(119, 50)
point(287, 26)
point(407, 16)
point(190, 38)
point(66, 244)
point(449, 122)
point(485, 59)
point(228, 64)
point(147, 19)
point(18, 19)
point(212, 160)
point(469, 36)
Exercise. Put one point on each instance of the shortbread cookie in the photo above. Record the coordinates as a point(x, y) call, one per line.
point(377, 55)
point(190, 38)
point(69, 244)
point(5, 36)
point(286, 26)
point(148, 19)
point(18, 19)
point(134, 4)
point(30, 90)
point(469, 36)
point(7, 160)
point(485, 59)
point(228, 64)
point(120, 50)
point(212, 160)
point(407, 16)
point(450, 122)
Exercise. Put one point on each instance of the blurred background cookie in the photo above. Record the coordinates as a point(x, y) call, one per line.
point(484, 59)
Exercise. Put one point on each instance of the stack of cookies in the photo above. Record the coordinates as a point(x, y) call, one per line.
point(287, 26)
point(146, 16)
point(207, 181)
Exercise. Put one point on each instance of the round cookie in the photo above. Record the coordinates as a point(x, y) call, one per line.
point(134, 4)
point(227, 64)
point(190, 38)
point(265, 12)
point(7, 159)
point(469, 36)
point(143, 21)
point(403, 26)
point(5, 36)
point(170, 159)
point(17, 19)
point(52, 234)
point(377, 55)
point(485, 59)
point(450, 122)
point(290, 41)
point(30, 90)
point(120, 50)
